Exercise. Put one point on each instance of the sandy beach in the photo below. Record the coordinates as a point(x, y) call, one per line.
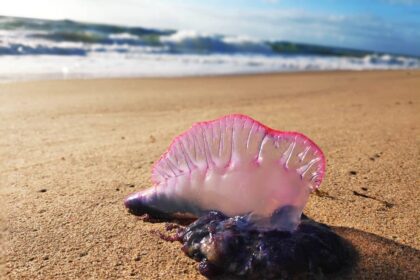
point(71, 150)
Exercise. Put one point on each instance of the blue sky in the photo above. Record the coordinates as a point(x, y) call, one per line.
point(381, 25)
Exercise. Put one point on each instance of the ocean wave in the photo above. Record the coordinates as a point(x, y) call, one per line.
point(20, 49)
point(48, 33)
point(392, 60)
point(140, 51)
point(193, 42)
point(14, 23)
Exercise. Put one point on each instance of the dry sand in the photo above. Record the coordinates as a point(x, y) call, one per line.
point(70, 151)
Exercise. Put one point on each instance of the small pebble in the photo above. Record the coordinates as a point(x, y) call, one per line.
point(42, 190)
point(388, 204)
point(352, 172)
point(364, 189)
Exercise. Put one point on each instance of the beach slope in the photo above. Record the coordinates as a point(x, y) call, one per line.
point(70, 151)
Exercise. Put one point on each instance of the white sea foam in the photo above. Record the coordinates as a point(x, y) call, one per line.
point(141, 64)
point(123, 36)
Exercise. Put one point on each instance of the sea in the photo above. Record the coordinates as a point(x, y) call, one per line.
point(63, 49)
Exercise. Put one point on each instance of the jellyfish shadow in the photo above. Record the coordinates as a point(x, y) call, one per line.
point(379, 257)
point(375, 257)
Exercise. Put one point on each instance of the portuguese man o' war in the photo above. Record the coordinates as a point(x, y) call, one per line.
point(237, 166)
point(247, 185)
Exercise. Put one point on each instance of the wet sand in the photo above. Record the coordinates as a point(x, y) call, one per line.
point(70, 151)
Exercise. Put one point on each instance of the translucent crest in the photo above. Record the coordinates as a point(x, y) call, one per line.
point(237, 166)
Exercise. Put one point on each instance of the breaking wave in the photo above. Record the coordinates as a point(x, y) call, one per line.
point(85, 48)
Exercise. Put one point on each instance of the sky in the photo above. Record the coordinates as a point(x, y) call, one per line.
point(380, 25)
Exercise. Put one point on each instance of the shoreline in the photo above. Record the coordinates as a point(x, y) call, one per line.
point(52, 78)
point(74, 149)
